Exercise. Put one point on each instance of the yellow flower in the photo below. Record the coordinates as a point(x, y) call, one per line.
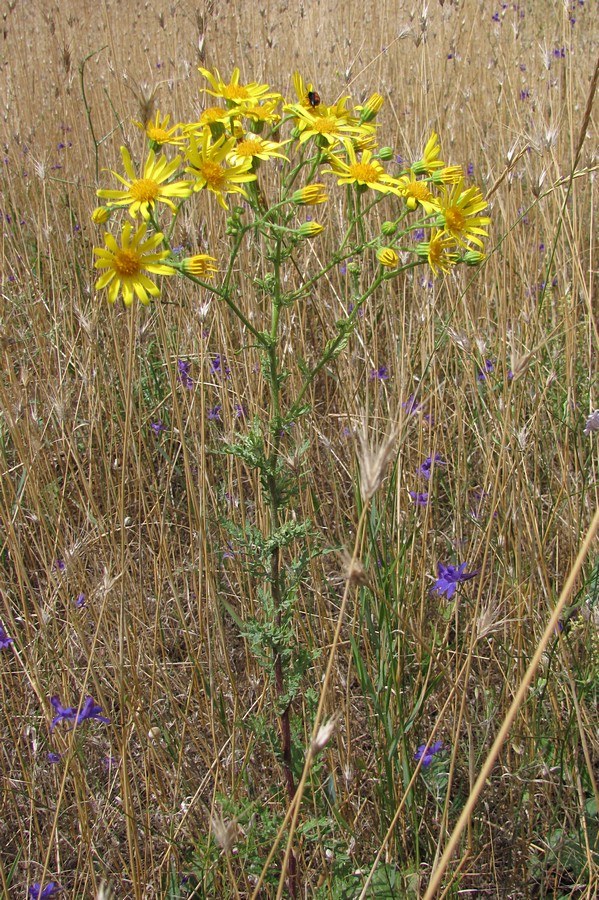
point(302, 89)
point(261, 112)
point(460, 217)
point(416, 192)
point(387, 257)
point(310, 229)
point(125, 265)
point(254, 147)
point(159, 133)
point(371, 108)
point(430, 158)
point(310, 195)
point(212, 115)
point(101, 214)
point(201, 266)
point(206, 167)
point(328, 123)
point(438, 251)
point(448, 175)
point(233, 92)
point(366, 172)
point(153, 187)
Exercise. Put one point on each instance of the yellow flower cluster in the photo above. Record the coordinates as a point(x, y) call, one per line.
point(220, 155)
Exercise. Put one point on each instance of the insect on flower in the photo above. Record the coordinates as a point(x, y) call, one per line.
point(313, 99)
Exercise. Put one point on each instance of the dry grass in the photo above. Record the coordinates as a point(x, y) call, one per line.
point(139, 520)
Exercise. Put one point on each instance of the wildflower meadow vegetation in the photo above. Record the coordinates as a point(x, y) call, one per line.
point(299, 582)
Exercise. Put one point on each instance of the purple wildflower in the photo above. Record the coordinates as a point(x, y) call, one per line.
point(5, 640)
point(427, 755)
point(426, 468)
point(470, 170)
point(218, 365)
point(54, 757)
point(380, 374)
point(37, 893)
point(158, 427)
point(240, 410)
point(418, 234)
point(214, 414)
point(185, 378)
point(411, 405)
point(62, 712)
point(592, 422)
point(89, 710)
point(343, 267)
point(60, 565)
point(449, 578)
point(420, 498)
point(486, 370)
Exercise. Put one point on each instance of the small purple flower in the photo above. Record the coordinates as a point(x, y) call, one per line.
point(89, 710)
point(420, 498)
point(449, 578)
point(240, 411)
point(411, 405)
point(495, 17)
point(343, 267)
point(185, 378)
point(60, 565)
point(54, 757)
point(62, 712)
point(418, 234)
point(426, 468)
point(218, 365)
point(470, 170)
point(37, 893)
point(380, 374)
point(158, 427)
point(214, 414)
point(486, 370)
point(5, 640)
point(592, 422)
point(427, 755)
point(524, 94)
point(80, 600)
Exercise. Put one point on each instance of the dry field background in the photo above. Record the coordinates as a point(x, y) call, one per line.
point(94, 502)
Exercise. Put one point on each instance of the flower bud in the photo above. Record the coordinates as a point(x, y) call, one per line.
point(371, 108)
point(309, 229)
point(100, 215)
point(387, 257)
point(473, 258)
point(386, 153)
point(389, 228)
point(201, 266)
point(310, 195)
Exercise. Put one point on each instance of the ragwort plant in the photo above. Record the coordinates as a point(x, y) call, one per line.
point(269, 163)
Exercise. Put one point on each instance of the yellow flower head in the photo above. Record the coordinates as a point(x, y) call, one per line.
point(387, 257)
point(364, 172)
point(370, 109)
point(430, 158)
point(212, 115)
point(201, 266)
point(310, 229)
point(159, 133)
point(126, 265)
point(253, 147)
point(234, 92)
point(101, 215)
point(459, 210)
point(416, 192)
point(310, 195)
point(153, 187)
point(206, 165)
point(305, 93)
point(261, 112)
point(438, 251)
point(329, 124)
